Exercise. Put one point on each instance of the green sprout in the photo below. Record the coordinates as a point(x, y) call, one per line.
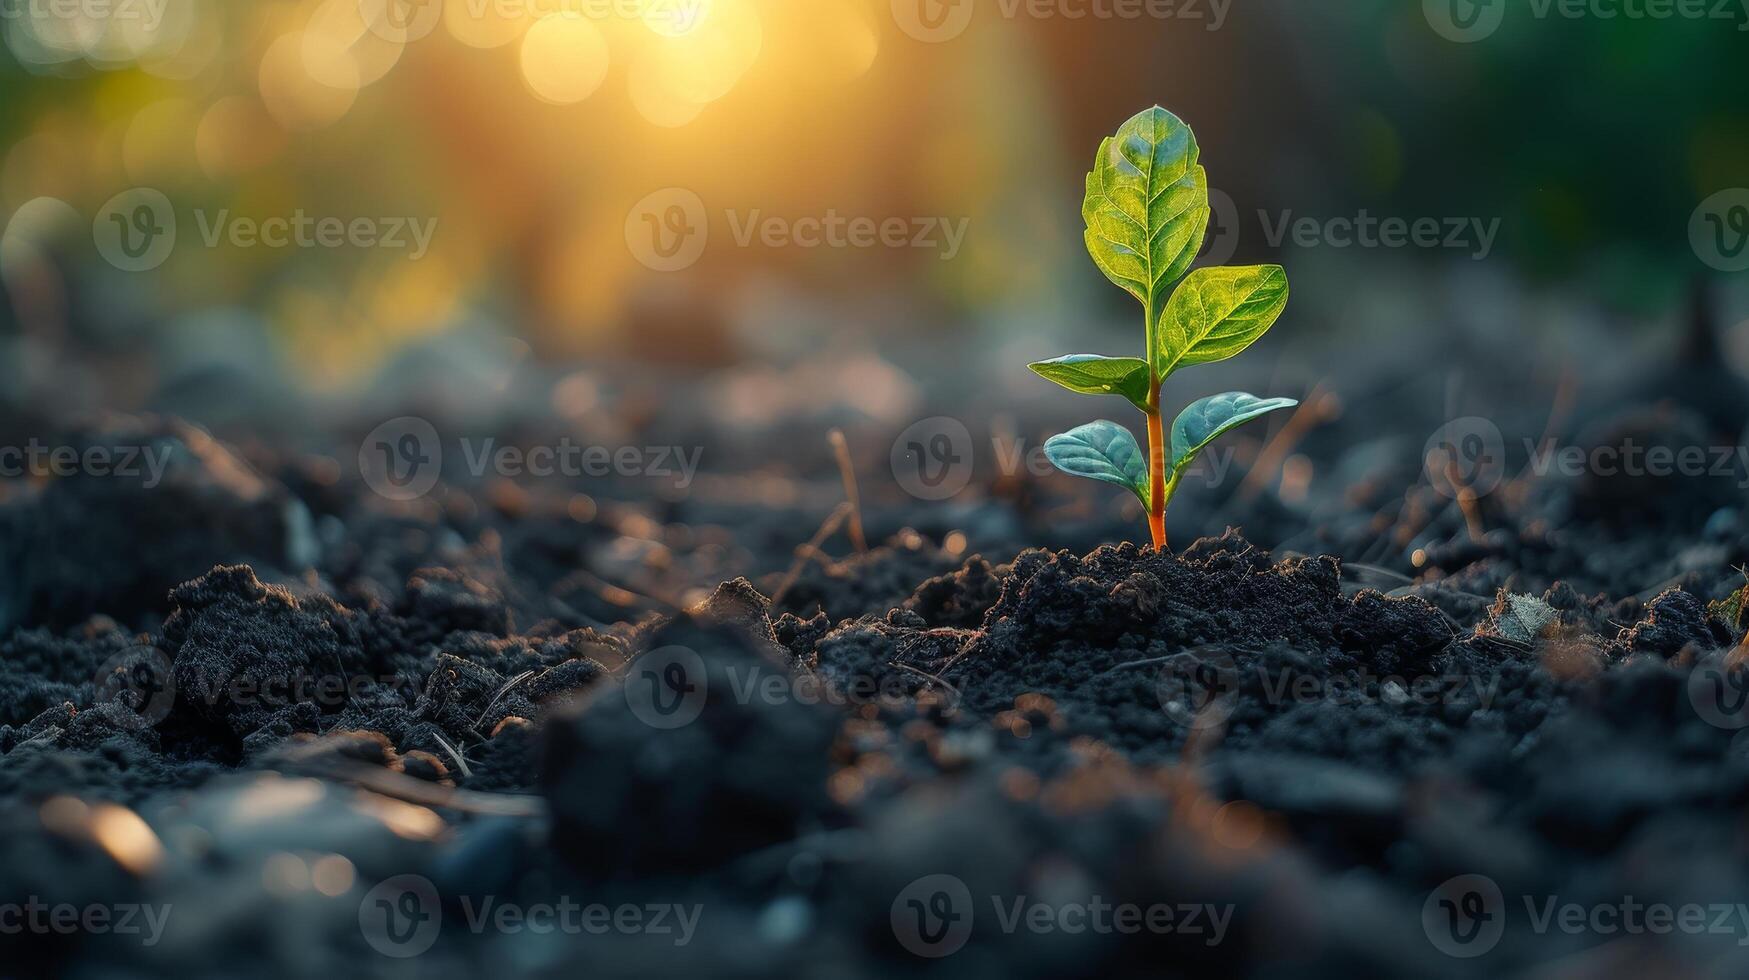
point(1147, 211)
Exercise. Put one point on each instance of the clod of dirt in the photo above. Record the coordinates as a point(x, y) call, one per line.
point(734, 768)
point(116, 541)
point(1674, 622)
point(866, 584)
point(242, 649)
point(1094, 632)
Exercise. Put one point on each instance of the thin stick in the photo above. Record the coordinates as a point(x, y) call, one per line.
point(460, 762)
point(812, 548)
point(841, 448)
point(518, 679)
point(931, 677)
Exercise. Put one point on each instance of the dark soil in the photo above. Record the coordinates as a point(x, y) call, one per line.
point(270, 666)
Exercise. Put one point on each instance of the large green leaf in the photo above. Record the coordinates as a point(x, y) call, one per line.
point(1210, 418)
point(1102, 451)
point(1147, 206)
point(1216, 313)
point(1096, 374)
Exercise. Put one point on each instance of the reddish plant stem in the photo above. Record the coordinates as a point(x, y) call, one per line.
point(1156, 469)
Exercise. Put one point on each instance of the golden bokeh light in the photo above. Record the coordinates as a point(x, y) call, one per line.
point(340, 50)
point(704, 64)
point(652, 95)
point(295, 99)
point(675, 18)
point(480, 24)
point(564, 58)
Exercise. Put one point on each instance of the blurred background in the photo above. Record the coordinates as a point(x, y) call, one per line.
point(594, 214)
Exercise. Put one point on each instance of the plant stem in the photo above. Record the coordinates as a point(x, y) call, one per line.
point(1156, 469)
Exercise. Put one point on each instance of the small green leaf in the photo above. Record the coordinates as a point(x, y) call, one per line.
point(1102, 451)
point(1218, 312)
point(1147, 206)
point(1210, 418)
point(1096, 374)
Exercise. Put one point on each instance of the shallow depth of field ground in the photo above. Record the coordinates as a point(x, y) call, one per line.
point(1293, 736)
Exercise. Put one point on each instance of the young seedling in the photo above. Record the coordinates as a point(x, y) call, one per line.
point(1147, 210)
